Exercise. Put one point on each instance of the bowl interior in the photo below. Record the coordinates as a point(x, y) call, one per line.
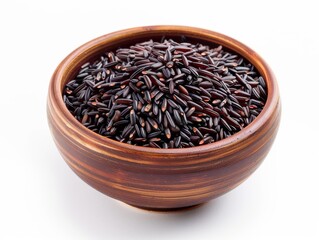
point(94, 49)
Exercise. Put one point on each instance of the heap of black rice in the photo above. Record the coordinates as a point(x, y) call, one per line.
point(166, 94)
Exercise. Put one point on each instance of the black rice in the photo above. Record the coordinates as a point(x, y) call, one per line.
point(166, 94)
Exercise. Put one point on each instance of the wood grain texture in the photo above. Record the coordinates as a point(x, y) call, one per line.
point(160, 178)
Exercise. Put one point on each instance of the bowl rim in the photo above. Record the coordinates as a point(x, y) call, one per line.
point(56, 99)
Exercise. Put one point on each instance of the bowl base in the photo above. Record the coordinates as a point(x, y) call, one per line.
point(178, 209)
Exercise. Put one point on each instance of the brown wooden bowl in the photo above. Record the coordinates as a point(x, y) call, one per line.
point(160, 178)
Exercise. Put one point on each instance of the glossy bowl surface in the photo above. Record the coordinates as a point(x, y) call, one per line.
point(160, 178)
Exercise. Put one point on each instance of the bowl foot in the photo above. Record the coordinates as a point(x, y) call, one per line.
point(178, 209)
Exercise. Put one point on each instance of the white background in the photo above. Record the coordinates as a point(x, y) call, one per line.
point(41, 198)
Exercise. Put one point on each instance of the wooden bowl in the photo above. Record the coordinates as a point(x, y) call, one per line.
point(160, 178)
